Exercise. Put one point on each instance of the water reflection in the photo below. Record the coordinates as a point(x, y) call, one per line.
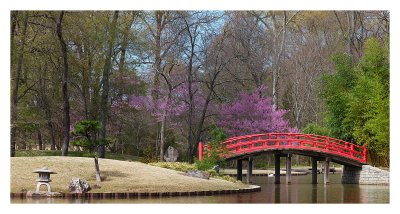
point(314, 193)
point(277, 194)
point(299, 191)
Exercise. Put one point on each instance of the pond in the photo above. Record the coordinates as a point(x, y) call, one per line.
point(300, 191)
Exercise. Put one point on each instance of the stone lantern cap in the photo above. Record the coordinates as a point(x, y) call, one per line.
point(44, 170)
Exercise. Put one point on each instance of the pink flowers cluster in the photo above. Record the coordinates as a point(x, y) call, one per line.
point(253, 113)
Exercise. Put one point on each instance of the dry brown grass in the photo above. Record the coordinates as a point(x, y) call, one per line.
point(118, 176)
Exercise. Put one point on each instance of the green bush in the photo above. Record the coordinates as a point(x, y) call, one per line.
point(213, 157)
point(205, 164)
point(313, 128)
point(212, 173)
point(148, 155)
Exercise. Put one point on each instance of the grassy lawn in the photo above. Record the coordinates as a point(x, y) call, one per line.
point(118, 176)
point(109, 155)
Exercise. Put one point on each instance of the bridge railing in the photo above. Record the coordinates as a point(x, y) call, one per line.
point(272, 141)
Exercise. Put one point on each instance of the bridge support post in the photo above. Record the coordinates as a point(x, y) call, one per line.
point(289, 169)
point(277, 168)
point(239, 169)
point(326, 170)
point(249, 169)
point(314, 171)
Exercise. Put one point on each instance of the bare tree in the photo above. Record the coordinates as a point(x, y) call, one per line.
point(105, 85)
point(17, 77)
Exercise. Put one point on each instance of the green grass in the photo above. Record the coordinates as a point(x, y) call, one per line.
point(109, 155)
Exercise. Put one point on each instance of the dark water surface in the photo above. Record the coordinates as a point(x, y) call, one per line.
point(300, 191)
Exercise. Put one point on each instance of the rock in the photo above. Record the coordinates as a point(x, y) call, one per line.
point(171, 155)
point(216, 168)
point(198, 174)
point(96, 186)
point(78, 186)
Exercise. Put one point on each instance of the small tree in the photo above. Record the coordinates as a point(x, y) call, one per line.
point(85, 135)
point(216, 153)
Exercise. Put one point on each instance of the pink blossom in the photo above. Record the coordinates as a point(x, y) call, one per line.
point(252, 113)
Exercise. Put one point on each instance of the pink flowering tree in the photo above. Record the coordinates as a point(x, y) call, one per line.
point(253, 113)
point(169, 104)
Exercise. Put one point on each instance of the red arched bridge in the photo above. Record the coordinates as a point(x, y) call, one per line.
point(320, 148)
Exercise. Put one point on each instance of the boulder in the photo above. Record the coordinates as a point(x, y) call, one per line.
point(78, 186)
point(171, 155)
point(198, 174)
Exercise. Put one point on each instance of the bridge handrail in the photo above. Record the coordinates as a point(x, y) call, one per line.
point(255, 142)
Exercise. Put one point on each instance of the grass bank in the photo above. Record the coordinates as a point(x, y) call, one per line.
point(118, 176)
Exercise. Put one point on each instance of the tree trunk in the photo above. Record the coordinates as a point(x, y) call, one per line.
point(66, 118)
point(157, 54)
point(52, 135)
point(124, 45)
point(105, 84)
point(162, 130)
point(276, 71)
point(96, 164)
point(40, 142)
point(351, 33)
point(157, 66)
point(190, 131)
point(17, 77)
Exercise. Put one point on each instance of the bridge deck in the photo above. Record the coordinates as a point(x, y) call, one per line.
point(316, 146)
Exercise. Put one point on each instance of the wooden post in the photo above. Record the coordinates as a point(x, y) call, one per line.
point(277, 168)
point(239, 169)
point(365, 153)
point(314, 171)
point(289, 169)
point(352, 150)
point(200, 150)
point(326, 170)
point(249, 169)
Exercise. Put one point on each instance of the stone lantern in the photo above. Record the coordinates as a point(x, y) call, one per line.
point(44, 178)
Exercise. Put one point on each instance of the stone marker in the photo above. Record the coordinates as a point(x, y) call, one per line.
point(171, 155)
point(44, 179)
point(198, 174)
point(78, 186)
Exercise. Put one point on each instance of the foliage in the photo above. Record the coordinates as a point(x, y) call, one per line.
point(252, 113)
point(148, 155)
point(313, 128)
point(216, 151)
point(176, 71)
point(335, 92)
point(369, 100)
point(357, 99)
point(85, 135)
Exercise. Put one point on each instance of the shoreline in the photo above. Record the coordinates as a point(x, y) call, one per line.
point(137, 195)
